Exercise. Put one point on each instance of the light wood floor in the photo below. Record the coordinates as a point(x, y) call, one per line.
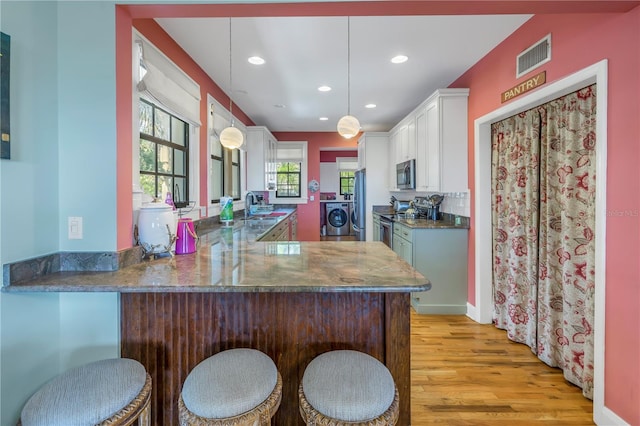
point(465, 373)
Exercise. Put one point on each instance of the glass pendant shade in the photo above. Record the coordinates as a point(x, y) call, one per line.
point(348, 126)
point(231, 138)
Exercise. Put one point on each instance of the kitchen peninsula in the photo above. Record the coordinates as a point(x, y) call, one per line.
point(292, 300)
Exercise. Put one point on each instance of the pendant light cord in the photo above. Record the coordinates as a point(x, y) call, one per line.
point(348, 65)
point(230, 77)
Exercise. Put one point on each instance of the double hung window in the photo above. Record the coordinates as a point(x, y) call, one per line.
point(346, 182)
point(288, 180)
point(164, 153)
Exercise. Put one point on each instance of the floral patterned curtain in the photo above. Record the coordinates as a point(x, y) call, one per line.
point(543, 224)
point(515, 179)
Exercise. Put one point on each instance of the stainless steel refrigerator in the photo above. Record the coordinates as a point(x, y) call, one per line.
point(359, 213)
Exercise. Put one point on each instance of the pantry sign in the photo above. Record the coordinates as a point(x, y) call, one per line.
point(525, 86)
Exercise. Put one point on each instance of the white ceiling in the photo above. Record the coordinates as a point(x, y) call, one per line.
point(303, 53)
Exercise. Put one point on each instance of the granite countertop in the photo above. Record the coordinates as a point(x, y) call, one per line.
point(229, 259)
point(447, 222)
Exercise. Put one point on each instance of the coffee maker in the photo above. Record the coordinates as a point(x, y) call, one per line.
point(430, 206)
point(433, 210)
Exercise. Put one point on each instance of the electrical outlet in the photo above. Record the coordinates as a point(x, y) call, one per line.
point(75, 227)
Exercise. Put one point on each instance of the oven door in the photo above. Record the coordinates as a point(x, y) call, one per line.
point(386, 232)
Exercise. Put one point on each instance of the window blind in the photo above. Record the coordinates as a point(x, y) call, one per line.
point(167, 83)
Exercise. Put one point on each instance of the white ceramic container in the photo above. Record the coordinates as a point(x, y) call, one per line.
point(156, 228)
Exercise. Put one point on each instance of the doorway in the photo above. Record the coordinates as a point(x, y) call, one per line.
point(482, 312)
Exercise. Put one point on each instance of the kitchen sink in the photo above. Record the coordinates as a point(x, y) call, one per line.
point(260, 223)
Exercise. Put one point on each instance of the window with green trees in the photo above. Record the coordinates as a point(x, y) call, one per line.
point(164, 153)
point(288, 180)
point(346, 182)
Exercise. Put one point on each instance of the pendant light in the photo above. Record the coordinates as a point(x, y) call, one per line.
point(348, 126)
point(231, 137)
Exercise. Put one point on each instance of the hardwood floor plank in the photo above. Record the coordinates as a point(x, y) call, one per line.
point(469, 374)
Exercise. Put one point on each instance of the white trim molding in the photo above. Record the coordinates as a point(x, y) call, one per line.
point(483, 310)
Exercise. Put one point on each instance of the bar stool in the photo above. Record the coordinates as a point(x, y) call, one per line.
point(114, 392)
point(231, 388)
point(348, 388)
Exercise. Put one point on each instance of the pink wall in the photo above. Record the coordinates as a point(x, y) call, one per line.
point(330, 156)
point(579, 40)
point(124, 172)
point(309, 214)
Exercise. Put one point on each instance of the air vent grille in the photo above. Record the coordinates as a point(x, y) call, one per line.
point(534, 56)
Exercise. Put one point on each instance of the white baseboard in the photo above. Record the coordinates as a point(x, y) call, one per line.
point(439, 309)
point(471, 312)
point(606, 417)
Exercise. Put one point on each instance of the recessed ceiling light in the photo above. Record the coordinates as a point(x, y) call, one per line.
point(324, 118)
point(279, 106)
point(370, 106)
point(399, 59)
point(256, 60)
point(324, 88)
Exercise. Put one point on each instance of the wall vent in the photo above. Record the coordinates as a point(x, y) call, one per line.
point(534, 56)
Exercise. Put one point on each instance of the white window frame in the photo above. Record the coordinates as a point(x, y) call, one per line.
point(217, 121)
point(194, 140)
point(303, 199)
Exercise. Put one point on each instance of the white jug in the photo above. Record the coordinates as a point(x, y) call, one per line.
point(156, 228)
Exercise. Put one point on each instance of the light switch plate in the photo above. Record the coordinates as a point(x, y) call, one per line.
point(75, 227)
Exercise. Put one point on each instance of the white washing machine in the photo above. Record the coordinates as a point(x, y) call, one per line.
point(338, 221)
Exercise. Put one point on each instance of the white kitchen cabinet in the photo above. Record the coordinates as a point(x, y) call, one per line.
point(435, 134)
point(403, 137)
point(262, 148)
point(442, 137)
point(391, 160)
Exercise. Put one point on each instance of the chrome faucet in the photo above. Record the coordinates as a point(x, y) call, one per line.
point(249, 200)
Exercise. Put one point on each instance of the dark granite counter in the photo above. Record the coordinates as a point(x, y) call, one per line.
point(229, 259)
point(291, 300)
point(448, 220)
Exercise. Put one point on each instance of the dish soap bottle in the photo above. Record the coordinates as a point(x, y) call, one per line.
point(169, 201)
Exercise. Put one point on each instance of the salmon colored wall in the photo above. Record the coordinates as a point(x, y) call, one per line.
point(156, 35)
point(309, 214)
point(331, 156)
point(124, 131)
point(580, 40)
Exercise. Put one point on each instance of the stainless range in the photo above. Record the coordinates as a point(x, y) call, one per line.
point(386, 229)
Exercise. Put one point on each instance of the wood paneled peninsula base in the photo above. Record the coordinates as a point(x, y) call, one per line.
point(291, 300)
point(171, 333)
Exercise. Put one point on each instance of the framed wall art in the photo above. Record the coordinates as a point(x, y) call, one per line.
point(5, 60)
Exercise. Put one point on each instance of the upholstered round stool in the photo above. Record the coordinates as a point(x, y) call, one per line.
point(114, 392)
point(234, 387)
point(348, 388)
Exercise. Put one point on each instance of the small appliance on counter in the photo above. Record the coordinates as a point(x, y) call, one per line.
point(429, 206)
point(399, 206)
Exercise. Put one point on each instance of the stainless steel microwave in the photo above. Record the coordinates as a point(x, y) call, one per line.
point(406, 175)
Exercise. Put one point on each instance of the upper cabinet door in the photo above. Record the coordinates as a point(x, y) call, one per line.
point(261, 159)
point(441, 142)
